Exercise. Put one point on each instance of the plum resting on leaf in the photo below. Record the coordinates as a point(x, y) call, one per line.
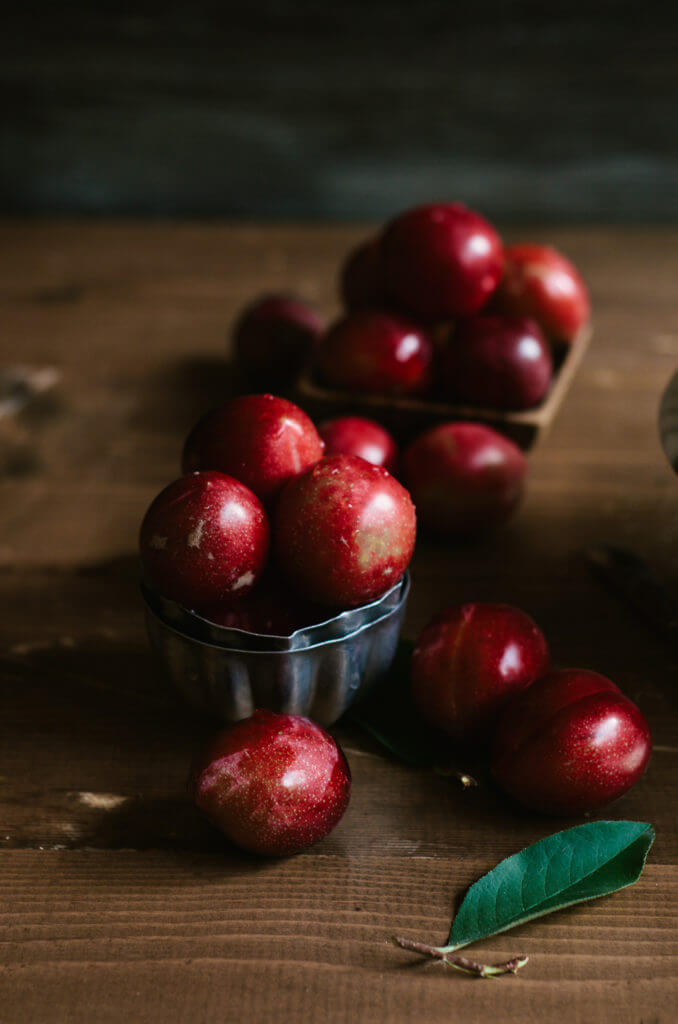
point(571, 743)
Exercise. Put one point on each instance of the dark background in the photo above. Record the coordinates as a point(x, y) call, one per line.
point(294, 109)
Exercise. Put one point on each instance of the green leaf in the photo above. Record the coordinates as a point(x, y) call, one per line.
point(389, 715)
point(579, 864)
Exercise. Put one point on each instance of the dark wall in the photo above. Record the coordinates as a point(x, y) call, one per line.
point(351, 110)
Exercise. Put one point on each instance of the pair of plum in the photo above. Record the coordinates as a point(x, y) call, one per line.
point(464, 478)
point(562, 742)
point(437, 278)
point(493, 361)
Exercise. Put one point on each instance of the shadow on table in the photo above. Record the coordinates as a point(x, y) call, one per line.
point(177, 396)
point(182, 392)
point(155, 823)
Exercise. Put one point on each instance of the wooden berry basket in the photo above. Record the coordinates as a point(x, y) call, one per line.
point(407, 417)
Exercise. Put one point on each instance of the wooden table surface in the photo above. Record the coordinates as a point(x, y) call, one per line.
point(118, 902)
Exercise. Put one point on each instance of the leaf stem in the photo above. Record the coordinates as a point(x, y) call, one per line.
point(462, 963)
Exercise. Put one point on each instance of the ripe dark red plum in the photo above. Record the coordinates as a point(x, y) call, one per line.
point(464, 478)
point(499, 362)
point(274, 335)
point(570, 744)
point(540, 282)
point(361, 283)
point(259, 439)
point(344, 531)
point(271, 608)
point(441, 261)
point(469, 661)
point(355, 435)
point(204, 539)
point(274, 784)
point(374, 351)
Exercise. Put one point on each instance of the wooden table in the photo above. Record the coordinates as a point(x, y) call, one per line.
point(118, 902)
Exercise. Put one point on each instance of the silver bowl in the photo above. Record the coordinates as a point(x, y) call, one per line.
point(318, 671)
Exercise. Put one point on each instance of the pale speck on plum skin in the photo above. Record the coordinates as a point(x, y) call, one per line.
point(157, 542)
point(195, 536)
point(246, 580)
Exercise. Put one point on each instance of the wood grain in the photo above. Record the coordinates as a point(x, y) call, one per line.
point(118, 902)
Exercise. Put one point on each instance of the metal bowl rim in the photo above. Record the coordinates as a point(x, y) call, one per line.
point(318, 627)
point(223, 648)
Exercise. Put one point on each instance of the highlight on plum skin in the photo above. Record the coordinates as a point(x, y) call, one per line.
point(274, 784)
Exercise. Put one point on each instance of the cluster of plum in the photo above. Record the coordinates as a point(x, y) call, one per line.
point(435, 299)
point(435, 306)
point(562, 742)
point(259, 476)
point(342, 530)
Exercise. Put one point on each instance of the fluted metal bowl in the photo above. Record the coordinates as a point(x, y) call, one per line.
point(317, 671)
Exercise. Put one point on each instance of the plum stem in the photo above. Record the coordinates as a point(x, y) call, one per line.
point(463, 963)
